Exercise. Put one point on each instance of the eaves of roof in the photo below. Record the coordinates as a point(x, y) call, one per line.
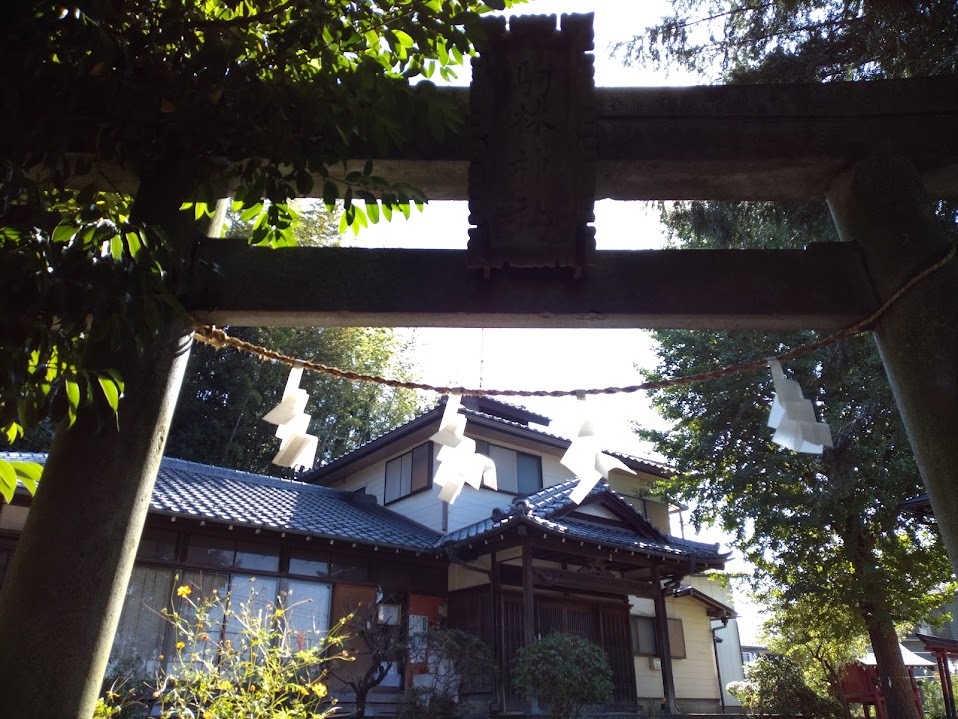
point(190, 490)
point(337, 468)
point(713, 607)
point(331, 471)
point(543, 511)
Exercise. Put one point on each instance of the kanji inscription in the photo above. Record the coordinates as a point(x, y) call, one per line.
point(532, 170)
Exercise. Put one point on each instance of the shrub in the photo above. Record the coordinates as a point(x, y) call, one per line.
point(564, 671)
point(461, 662)
point(932, 698)
point(774, 685)
point(424, 703)
point(253, 674)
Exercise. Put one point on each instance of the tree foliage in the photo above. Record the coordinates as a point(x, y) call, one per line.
point(773, 686)
point(226, 393)
point(373, 647)
point(823, 531)
point(802, 40)
point(819, 635)
point(260, 99)
point(808, 523)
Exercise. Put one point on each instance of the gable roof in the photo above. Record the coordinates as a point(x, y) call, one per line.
point(417, 428)
point(549, 510)
point(201, 491)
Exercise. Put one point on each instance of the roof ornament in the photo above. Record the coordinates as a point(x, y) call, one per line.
point(297, 448)
point(584, 458)
point(459, 464)
point(793, 416)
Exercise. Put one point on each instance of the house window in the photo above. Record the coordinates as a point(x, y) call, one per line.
point(676, 639)
point(409, 474)
point(248, 571)
point(307, 613)
point(643, 637)
point(308, 564)
point(517, 473)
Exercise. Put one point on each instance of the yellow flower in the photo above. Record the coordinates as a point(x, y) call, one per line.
point(180, 645)
point(224, 686)
point(319, 689)
point(183, 591)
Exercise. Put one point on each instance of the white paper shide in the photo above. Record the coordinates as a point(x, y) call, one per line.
point(585, 459)
point(459, 464)
point(793, 416)
point(297, 448)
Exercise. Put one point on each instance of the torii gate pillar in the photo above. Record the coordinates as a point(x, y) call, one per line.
point(880, 203)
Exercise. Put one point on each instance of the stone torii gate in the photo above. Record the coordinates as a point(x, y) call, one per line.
point(876, 151)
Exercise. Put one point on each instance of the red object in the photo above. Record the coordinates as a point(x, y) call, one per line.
point(861, 685)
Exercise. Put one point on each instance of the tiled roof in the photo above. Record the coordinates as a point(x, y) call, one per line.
point(200, 491)
point(541, 510)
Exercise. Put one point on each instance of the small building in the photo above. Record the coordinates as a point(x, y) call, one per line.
point(861, 685)
point(507, 565)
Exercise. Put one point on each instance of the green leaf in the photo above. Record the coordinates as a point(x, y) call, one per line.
point(73, 392)
point(304, 183)
point(404, 38)
point(8, 480)
point(116, 248)
point(12, 432)
point(63, 232)
point(252, 211)
point(133, 243)
point(368, 168)
point(110, 392)
point(29, 474)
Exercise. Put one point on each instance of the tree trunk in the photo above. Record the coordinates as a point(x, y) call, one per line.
point(360, 702)
point(63, 593)
point(893, 676)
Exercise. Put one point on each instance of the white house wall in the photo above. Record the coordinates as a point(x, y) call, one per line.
point(694, 676)
point(730, 648)
point(474, 505)
point(461, 577)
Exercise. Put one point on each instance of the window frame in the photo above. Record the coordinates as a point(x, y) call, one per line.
point(676, 630)
point(482, 447)
point(430, 467)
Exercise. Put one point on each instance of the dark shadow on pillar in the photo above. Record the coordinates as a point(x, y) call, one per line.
point(881, 205)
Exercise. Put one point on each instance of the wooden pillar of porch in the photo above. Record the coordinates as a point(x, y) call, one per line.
point(64, 591)
point(662, 642)
point(528, 606)
point(880, 204)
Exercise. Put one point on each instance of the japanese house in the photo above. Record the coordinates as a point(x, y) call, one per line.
point(507, 565)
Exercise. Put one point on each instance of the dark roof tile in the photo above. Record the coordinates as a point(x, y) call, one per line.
point(190, 489)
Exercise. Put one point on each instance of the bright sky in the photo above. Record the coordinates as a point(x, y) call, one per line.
point(548, 358)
